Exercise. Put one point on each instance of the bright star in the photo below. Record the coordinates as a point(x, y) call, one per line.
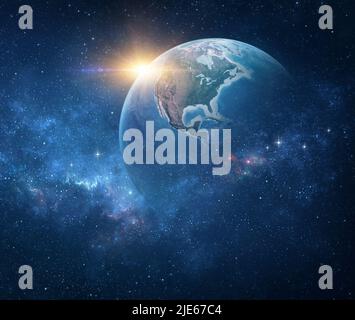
point(141, 69)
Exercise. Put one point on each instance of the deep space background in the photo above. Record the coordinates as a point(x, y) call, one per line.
point(68, 208)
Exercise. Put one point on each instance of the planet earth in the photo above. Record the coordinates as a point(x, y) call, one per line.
point(208, 83)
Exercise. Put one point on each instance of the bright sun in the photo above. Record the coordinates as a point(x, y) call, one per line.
point(141, 69)
point(136, 68)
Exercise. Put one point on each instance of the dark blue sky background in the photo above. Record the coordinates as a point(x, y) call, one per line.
point(67, 206)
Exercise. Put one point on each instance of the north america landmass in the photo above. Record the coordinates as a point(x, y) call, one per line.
point(191, 80)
